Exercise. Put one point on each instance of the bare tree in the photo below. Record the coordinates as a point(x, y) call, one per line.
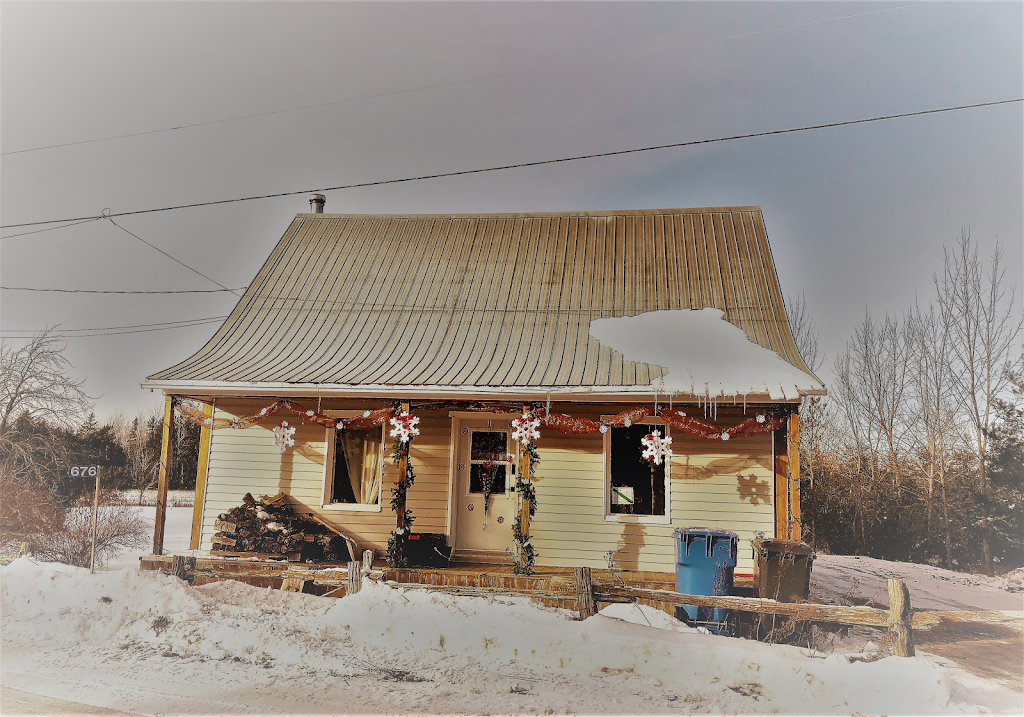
point(135, 436)
point(34, 382)
point(872, 382)
point(805, 333)
point(936, 433)
point(983, 333)
point(814, 418)
point(37, 397)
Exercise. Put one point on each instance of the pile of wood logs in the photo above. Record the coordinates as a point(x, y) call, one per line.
point(269, 527)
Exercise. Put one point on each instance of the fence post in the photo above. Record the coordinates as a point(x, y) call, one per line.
point(355, 578)
point(901, 616)
point(584, 593)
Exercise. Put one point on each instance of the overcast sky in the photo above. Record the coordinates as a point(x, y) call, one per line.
point(857, 216)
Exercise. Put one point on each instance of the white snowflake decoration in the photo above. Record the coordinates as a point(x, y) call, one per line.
point(284, 436)
point(725, 435)
point(760, 418)
point(525, 429)
point(404, 427)
point(656, 448)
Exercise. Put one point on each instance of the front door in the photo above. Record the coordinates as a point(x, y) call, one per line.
point(484, 487)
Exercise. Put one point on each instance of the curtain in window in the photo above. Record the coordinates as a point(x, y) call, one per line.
point(361, 453)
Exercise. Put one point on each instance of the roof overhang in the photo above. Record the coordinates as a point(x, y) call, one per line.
point(585, 394)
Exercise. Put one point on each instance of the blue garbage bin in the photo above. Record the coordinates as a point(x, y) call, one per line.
point(705, 561)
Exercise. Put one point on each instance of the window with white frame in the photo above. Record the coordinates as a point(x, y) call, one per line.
point(355, 468)
point(635, 485)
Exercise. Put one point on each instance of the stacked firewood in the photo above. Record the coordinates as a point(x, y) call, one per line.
point(269, 526)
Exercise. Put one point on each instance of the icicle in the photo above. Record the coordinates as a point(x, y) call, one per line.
point(744, 404)
point(547, 408)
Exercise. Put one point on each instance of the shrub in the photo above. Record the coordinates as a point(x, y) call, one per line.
point(64, 535)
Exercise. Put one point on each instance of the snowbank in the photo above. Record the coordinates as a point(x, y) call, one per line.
point(112, 636)
point(702, 353)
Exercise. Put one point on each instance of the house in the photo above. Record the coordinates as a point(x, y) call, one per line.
point(602, 327)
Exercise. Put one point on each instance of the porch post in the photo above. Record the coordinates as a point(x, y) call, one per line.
point(403, 466)
point(524, 474)
point(780, 464)
point(793, 445)
point(166, 459)
point(205, 434)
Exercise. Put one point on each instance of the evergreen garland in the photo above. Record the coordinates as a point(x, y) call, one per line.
point(399, 539)
point(525, 555)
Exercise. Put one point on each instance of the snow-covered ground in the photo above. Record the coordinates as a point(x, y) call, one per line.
point(836, 576)
point(147, 643)
point(177, 536)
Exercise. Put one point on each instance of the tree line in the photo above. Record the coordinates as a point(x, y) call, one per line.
point(917, 452)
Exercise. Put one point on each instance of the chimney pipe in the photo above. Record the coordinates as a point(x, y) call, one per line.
point(316, 203)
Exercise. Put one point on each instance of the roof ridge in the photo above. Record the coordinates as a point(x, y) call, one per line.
point(504, 215)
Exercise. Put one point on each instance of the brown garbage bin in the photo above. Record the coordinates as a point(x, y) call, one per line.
point(782, 569)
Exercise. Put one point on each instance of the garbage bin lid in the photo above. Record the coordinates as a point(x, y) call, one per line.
point(771, 545)
point(695, 530)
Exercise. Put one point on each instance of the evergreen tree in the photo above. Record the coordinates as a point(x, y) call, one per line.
point(1006, 470)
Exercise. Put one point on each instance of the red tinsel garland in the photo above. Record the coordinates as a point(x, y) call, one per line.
point(369, 419)
point(564, 423)
point(763, 422)
point(678, 419)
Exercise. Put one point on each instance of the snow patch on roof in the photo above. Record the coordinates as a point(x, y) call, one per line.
point(702, 353)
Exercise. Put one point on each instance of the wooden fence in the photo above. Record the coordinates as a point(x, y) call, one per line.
point(901, 620)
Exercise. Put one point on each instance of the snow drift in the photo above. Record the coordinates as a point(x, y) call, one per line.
point(60, 621)
point(702, 353)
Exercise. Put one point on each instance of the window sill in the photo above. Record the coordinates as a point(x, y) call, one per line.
point(351, 507)
point(649, 519)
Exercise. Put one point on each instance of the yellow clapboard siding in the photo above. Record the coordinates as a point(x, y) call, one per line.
point(726, 486)
point(717, 484)
point(247, 461)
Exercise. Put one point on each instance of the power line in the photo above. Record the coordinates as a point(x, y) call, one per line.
point(526, 164)
point(196, 271)
point(116, 330)
point(469, 81)
point(100, 291)
point(50, 229)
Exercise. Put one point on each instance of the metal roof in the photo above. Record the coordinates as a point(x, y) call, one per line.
point(486, 300)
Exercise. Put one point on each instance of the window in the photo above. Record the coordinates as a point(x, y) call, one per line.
point(488, 459)
point(635, 486)
point(354, 477)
